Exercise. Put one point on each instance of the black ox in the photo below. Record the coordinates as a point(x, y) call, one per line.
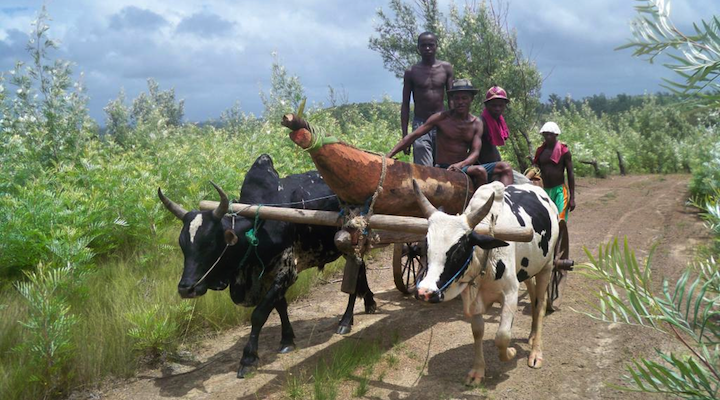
point(259, 277)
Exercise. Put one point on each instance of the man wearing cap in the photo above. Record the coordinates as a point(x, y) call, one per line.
point(494, 134)
point(426, 81)
point(458, 134)
point(553, 158)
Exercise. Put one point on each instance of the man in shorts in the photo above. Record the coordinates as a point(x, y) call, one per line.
point(426, 82)
point(554, 160)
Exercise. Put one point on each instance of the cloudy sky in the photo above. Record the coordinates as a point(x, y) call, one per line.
point(218, 52)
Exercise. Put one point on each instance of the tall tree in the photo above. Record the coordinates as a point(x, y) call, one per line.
point(697, 56)
point(477, 41)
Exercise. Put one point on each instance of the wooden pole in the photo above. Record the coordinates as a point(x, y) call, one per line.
point(403, 225)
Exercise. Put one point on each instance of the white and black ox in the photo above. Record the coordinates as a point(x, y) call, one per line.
point(484, 270)
point(259, 275)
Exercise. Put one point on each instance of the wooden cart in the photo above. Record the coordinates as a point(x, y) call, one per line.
point(391, 212)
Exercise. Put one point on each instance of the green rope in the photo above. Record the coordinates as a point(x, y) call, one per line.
point(254, 242)
point(319, 139)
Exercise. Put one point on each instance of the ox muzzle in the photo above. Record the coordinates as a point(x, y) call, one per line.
point(429, 296)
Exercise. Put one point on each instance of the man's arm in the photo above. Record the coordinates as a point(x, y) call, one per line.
point(571, 179)
point(448, 83)
point(410, 138)
point(405, 107)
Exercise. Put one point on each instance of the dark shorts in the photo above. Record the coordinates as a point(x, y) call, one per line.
point(424, 146)
point(490, 168)
point(446, 166)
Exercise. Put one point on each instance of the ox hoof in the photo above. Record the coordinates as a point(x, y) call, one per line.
point(286, 348)
point(535, 360)
point(343, 329)
point(509, 354)
point(245, 370)
point(474, 377)
point(371, 308)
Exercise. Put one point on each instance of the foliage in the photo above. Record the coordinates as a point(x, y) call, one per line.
point(650, 137)
point(155, 330)
point(151, 115)
point(688, 312)
point(601, 104)
point(706, 173)
point(48, 111)
point(49, 323)
point(696, 57)
point(285, 94)
point(475, 40)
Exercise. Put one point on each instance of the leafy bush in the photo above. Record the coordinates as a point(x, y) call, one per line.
point(687, 312)
point(48, 342)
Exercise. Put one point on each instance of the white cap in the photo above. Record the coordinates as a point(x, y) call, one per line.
point(550, 127)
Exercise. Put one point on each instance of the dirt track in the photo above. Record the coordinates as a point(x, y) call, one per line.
point(433, 344)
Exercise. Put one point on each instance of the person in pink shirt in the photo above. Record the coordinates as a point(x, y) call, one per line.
point(494, 133)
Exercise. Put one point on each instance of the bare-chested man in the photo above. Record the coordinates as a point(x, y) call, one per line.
point(554, 158)
point(427, 82)
point(458, 134)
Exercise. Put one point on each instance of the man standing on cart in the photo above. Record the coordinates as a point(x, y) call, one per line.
point(427, 82)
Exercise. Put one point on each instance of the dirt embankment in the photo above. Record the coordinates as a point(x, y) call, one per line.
point(428, 349)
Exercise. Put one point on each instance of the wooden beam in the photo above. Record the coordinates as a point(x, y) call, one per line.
point(406, 227)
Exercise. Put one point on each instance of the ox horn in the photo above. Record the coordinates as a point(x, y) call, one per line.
point(427, 208)
point(477, 216)
point(222, 208)
point(176, 209)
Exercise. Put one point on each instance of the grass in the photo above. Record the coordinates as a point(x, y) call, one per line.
point(351, 360)
point(133, 292)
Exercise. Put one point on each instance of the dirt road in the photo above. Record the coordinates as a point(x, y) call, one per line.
point(428, 348)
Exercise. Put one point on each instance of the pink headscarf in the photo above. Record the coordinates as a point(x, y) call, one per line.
point(498, 131)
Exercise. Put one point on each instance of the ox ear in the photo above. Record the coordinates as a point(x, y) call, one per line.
point(427, 208)
point(486, 242)
point(230, 238)
point(477, 216)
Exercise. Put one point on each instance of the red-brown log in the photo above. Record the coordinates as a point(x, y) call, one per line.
point(354, 174)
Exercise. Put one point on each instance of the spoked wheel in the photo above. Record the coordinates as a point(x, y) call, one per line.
point(409, 265)
point(563, 264)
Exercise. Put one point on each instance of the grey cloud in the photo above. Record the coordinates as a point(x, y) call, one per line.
point(205, 24)
point(13, 48)
point(134, 18)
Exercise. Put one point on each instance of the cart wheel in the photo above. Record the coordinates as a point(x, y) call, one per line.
point(557, 282)
point(409, 265)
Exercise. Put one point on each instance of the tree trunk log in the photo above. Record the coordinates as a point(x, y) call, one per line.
point(354, 175)
point(621, 163)
point(595, 167)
